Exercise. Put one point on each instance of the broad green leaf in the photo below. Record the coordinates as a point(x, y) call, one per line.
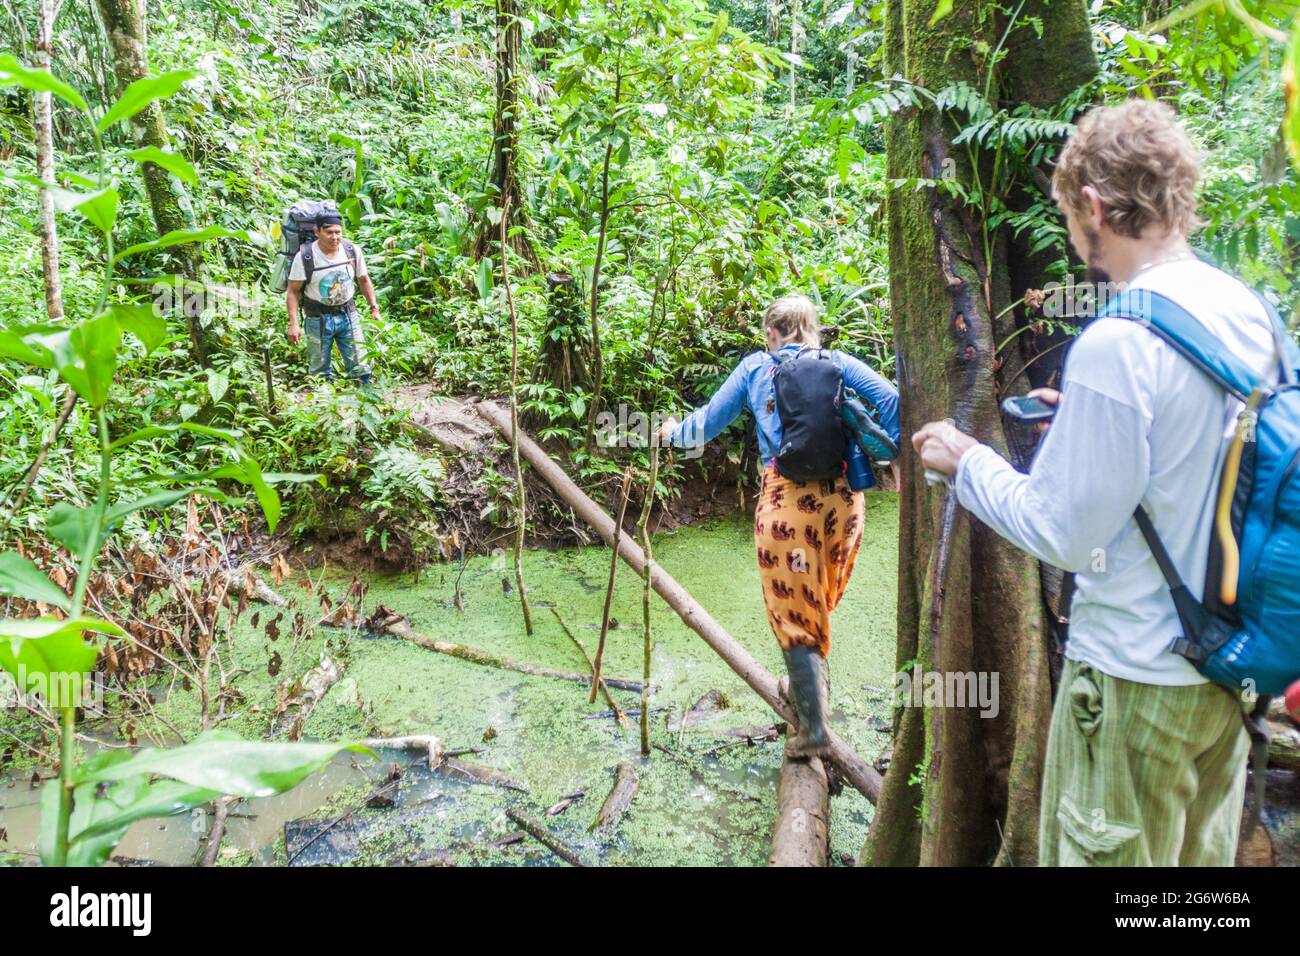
point(142, 322)
point(719, 27)
point(93, 345)
point(49, 656)
point(39, 394)
point(484, 279)
point(218, 383)
point(178, 166)
point(99, 823)
point(69, 525)
point(143, 92)
point(13, 73)
point(941, 10)
point(159, 499)
point(180, 237)
point(156, 431)
point(248, 472)
point(219, 760)
point(13, 344)
point(16, 629)
point(100, 208)
point(49, 808)
point(19, 577)
point(281, 477)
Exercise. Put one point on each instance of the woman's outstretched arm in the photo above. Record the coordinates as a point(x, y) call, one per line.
point(707, 423)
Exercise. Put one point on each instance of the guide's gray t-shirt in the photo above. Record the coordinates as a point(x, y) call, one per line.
point(333, 280)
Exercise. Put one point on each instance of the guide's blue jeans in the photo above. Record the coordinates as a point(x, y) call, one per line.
point(341, 329)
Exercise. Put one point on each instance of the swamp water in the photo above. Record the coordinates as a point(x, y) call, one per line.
point(710, 802)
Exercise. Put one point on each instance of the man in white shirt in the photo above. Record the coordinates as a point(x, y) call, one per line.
point(323, 281)
point(1146, 760)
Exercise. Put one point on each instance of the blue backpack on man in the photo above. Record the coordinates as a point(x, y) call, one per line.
point(1245, 632)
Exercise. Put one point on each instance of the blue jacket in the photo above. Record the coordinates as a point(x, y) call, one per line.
point(750, 386)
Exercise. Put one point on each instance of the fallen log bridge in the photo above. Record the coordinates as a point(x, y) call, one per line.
point(801, 835)
point(856, 772)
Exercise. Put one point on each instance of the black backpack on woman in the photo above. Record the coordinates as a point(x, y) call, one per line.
point(809, 398)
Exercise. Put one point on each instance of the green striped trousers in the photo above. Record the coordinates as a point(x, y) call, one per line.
point(1140, 774)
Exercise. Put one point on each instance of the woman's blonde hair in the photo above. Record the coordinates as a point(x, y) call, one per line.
point(794, 317)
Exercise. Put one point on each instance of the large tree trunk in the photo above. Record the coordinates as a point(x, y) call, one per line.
point(969, 602)
point(505, 140)
point(44, 123)
point(124, 21)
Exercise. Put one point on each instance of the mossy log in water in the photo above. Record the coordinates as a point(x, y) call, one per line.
point(620, 797)
point(802, 834)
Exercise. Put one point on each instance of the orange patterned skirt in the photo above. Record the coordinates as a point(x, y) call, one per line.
point(807, 535)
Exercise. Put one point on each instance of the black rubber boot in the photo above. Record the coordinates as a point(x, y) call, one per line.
point(810, 695)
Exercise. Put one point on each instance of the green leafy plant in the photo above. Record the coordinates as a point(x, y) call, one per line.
point(85, 811)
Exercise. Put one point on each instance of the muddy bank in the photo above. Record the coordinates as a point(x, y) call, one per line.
point(476, 462)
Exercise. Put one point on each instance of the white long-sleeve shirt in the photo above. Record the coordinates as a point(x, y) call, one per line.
point(1137, 423)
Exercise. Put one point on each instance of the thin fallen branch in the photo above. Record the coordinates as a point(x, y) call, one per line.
point(620, 797)
point(521, 516)
point(545, 837)
point(856, 772)
point(477, 773)
point(609, 588)
point(29, 479)
point(643, 532)
point(217, 832)
point(377, 792)
point(694, 769)
point(801, 835)
point(618, 711)
point(566, 801)
point(394, 624)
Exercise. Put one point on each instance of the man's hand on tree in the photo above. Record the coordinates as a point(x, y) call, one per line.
point(941, 445)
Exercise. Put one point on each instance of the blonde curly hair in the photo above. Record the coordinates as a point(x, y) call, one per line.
point(1141, 163)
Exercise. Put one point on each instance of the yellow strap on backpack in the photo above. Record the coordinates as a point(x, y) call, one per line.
point(1227, 491)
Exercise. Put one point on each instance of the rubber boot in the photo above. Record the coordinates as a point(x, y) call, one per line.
point(810, 695)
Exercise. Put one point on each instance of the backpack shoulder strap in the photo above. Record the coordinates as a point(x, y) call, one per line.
point(1288, 354)
point(1188, 336)
point(308, 265)
point(350, 251)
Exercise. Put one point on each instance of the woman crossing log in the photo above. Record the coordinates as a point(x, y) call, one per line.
point(808, 523)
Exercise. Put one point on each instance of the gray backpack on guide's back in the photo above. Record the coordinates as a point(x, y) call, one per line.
point(297, 228)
